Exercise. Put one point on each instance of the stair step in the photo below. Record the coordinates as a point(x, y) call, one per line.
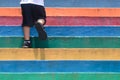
point(93, 12)
point(65, 31)
point(68, 3)
point(60, 66)
point(60, 76)
point(66, 21)
point(59, 54)
point(63, 42)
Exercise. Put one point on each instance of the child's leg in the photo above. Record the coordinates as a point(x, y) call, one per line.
point(26, 31)
point(26, 24)
point(41, 21)
point(27, 20)
point(27, 42)
point(40, 29)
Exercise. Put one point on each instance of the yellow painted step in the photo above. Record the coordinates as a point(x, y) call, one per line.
point(60, 54)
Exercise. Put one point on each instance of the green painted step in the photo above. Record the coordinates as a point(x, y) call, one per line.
point(54, 76)
point(63, 42)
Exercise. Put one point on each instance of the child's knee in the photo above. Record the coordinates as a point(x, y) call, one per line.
point(41, 21)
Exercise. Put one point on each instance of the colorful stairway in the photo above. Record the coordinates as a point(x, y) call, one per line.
point(83, 42)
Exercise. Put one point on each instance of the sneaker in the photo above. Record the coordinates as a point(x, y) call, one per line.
point(26, 44)
point(41, 32)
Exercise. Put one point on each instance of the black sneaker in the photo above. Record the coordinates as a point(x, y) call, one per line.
point(26, 44)
point(41, 32)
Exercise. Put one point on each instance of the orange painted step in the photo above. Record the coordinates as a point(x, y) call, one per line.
point(91, 12)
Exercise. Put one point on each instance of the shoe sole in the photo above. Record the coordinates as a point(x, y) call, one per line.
point(42, 34)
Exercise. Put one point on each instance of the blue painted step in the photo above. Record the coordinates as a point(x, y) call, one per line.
point(67, 31)
point(59, 66)
point(67, 3)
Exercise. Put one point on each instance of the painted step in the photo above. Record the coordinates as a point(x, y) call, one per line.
point(60, 66)
point(68, 3)
point(93, 12)
point(63, 42)
point(66, 21)
point(60, 54)
point(60, 76)
point(64, 31)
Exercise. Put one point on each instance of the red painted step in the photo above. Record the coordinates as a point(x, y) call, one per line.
point(67, 21)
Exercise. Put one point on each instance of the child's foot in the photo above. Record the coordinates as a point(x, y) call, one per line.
point(41, 32)
point(27, 44)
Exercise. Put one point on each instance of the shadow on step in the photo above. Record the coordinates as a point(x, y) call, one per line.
point(36, 43)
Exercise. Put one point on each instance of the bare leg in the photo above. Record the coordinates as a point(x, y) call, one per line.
point(27, 42)
point(41, 21)
point(26, 31)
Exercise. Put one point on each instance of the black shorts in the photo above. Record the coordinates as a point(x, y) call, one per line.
point(31, 13)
